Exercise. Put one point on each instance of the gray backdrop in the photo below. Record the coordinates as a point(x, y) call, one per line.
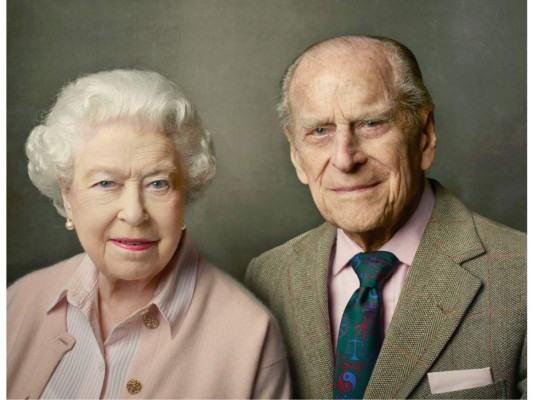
point(228, 56)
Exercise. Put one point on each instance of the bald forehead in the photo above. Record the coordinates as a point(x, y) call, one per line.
point(359, 72)
point(353, 47)
point(347, 56)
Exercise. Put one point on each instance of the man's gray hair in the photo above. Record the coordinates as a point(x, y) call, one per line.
point(413, 94)
point(95, 100)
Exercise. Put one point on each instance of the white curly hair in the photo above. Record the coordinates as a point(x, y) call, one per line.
point(102, 98)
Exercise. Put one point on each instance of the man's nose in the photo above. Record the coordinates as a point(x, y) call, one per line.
point(132, 209)
point(347, 151)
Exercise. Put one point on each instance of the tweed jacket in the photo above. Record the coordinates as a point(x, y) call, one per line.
point(227, 345)
point(463, 306)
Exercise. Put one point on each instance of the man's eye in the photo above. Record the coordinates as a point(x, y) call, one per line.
point(319, 131)
point(159, 184)
point(371, 124)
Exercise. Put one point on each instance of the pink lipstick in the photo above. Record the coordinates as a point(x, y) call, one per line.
point(133, 244)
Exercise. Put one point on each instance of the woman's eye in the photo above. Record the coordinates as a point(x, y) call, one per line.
point(106, 184)
point(160, 184)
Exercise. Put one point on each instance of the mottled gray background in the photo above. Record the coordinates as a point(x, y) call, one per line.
point(228, 56)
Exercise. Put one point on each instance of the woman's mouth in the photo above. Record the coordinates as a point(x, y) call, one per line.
point(133, 244)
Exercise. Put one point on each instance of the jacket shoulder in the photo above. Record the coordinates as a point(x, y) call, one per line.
point(43, 283)
point(498, 237)
point(269, 272)
point(504, 260)
point(299, 243)
point(276, 258)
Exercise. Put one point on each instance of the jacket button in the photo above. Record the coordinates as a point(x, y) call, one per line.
point(134, 386)
point(150, 321)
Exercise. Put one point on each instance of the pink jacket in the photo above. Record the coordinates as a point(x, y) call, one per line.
point(225, 324)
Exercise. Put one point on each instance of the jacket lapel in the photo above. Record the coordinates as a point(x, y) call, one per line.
point(434, 300)
point(52, 344)
point(309, 289)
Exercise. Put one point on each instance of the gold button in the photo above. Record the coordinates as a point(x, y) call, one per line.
point(150, 321)
point(134, 386)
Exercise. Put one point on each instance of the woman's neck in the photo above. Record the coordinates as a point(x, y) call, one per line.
point(118, 299)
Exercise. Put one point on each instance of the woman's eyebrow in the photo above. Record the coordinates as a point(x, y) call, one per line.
point(101, 170)
point(161, 171)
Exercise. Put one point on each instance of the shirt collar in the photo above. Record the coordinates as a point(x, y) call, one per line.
point(172, 297)
point(80, 288)
point(403, 244)
point(175, 290)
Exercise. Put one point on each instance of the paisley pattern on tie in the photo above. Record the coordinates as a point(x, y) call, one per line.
point(360, 333)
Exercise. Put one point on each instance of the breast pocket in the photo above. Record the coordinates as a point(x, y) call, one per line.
point(497, 390)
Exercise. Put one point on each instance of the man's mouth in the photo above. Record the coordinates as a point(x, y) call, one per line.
point(360, 188)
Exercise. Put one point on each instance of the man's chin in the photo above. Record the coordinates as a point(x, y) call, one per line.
point(362, 229)
point(359, 228)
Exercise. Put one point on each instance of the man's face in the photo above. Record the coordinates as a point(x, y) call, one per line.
point(361, 159)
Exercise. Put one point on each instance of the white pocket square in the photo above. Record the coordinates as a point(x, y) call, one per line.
point(450, 381)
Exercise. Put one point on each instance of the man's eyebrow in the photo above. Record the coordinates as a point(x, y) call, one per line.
point(309, 123)
point(382, 115)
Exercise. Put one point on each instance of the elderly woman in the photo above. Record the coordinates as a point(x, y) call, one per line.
point(140, 313)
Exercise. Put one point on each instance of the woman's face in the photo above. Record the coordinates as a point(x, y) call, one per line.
point(127, 200)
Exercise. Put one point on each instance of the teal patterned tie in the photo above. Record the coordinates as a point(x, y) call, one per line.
point(360, 333)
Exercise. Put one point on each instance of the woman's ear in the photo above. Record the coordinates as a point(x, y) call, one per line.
point(65, 194)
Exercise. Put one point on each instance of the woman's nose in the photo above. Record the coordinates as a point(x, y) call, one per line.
point(132, 208)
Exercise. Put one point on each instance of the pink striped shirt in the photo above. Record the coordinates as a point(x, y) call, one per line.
point(343, 281)
point(96, 369)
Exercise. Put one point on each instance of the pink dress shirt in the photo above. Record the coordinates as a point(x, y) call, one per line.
point(343, 281)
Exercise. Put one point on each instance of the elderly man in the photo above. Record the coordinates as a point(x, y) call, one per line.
point(403, 292)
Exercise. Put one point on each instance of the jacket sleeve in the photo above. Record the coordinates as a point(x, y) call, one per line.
point(259, 284)
point(522, 383)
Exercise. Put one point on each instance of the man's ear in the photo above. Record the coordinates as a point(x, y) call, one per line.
point(295, 158)
point(428, 139)
point(65, 194)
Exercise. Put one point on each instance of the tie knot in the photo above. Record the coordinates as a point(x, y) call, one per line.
point(374, 267)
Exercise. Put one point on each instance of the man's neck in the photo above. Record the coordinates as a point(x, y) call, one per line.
point(375, 239)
